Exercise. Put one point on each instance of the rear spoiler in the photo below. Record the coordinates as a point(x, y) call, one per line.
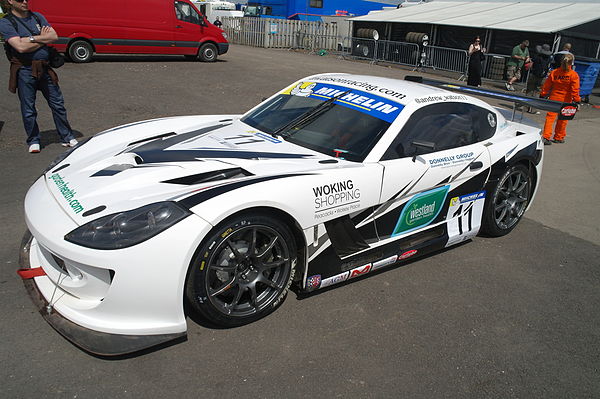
point(566, 111)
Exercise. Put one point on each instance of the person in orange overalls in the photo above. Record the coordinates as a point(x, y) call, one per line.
point(561, 85)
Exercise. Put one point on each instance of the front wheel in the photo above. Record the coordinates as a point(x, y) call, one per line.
point(242, 271)
point(507, 204)
point(80, 51)
point(208, 53)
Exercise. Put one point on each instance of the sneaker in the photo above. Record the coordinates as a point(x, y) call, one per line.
point(511, 88)
point(546, 141)
point(71, 143)
point(558, 141)
point(507, 86)
point(34, 148)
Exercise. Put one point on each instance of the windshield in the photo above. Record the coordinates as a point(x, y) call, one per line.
point(348, 128)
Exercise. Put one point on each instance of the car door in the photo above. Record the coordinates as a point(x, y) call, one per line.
point(438, 159)
point(188, 26)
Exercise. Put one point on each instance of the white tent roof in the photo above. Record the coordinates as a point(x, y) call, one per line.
point(541, 17)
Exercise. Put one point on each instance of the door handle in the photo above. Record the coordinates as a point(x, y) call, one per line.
point(178, 26)
point(476, 165)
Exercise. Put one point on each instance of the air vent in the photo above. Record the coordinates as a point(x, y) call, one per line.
point(160, 136)
point(223, 174)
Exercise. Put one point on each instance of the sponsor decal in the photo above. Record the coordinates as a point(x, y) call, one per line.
point(333, 198)
point(421, 210)
point(359, 271)
point(384, 262)
point(313, 282)
point(67, 192)
point(447, 97)
point(568, 110)
point(450, 160)
point(471, 197)
point(361, 101)
point(408, 254)
point(335, 279)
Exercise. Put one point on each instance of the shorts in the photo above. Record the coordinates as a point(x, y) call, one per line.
point(512, 71)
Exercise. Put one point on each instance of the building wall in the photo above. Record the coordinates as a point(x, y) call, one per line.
point(286, 8)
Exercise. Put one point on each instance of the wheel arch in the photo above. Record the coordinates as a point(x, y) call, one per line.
point(276, 213)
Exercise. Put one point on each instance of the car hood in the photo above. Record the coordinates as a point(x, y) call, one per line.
point(170, 159)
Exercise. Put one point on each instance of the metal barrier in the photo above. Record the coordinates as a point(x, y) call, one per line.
point(364, 49)
point(494, 66)
point(398, 52)
point(281, 33)
point(446, 59)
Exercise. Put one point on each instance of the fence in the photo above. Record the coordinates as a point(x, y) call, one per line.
point(281, 33)
point(322, 37)
point(446, 59)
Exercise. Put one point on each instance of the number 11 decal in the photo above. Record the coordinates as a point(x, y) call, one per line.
point(465, 217)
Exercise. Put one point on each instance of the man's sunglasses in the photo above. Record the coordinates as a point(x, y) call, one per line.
point(19, 1)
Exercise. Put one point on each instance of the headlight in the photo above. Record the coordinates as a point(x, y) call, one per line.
point(65, 154)
point(125, 229)
point(224, 35)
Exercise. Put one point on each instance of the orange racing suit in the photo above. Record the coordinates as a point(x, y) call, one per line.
point(562, 85)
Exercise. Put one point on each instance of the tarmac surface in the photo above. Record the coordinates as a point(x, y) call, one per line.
point(510, 317)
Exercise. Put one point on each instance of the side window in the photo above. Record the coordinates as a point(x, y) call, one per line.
point(444, 126)
point(184, 12)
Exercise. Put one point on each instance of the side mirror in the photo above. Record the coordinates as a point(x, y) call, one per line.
point(422, 147)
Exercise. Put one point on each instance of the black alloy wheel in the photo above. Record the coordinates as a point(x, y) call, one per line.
point(243, 271)
point(508, 202)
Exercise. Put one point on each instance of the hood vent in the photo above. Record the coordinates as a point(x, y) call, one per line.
point(216, 175)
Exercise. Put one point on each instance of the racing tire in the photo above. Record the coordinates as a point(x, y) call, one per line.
point(505, 207)
point(80, 51)
point(243, 270)
point(207, 53)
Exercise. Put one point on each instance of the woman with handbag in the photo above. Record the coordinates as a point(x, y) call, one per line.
point(476, 56)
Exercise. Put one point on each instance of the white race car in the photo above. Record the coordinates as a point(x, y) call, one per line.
point(330, 179)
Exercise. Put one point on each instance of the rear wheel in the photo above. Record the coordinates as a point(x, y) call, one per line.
point(507, 204)
point(242, 271)
point(207, 53)
point(80, 51)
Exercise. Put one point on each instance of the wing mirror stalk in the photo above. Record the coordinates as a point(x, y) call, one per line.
point(421, 147)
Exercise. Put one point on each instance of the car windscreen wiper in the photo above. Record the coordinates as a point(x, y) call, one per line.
point(309, 115)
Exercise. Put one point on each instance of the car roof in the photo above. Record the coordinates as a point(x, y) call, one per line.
point(401, 91)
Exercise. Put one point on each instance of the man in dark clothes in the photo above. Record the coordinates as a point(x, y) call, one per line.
point(27, 35)
point(537, 73)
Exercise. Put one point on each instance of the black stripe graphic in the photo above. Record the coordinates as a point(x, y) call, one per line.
point(205, 195)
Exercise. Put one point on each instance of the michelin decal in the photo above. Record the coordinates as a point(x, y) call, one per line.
point(358, 100)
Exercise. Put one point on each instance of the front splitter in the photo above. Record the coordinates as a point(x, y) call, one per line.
point(96, 342)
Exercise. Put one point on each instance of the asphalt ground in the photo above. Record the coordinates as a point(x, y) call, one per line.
point(510, 317)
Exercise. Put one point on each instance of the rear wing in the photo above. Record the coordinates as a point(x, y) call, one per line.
point(566, 111)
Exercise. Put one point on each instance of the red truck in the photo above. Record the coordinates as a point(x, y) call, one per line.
point(85, 27)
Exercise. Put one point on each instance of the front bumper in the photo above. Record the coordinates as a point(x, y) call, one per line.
point(107, 302)
point(96, 342)
point(222, 48)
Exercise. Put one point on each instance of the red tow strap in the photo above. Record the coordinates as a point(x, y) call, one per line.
point(26, 274)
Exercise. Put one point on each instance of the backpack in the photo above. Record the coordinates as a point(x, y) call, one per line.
point(8, 50)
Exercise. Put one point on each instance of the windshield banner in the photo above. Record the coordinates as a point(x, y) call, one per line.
point(367, 103)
